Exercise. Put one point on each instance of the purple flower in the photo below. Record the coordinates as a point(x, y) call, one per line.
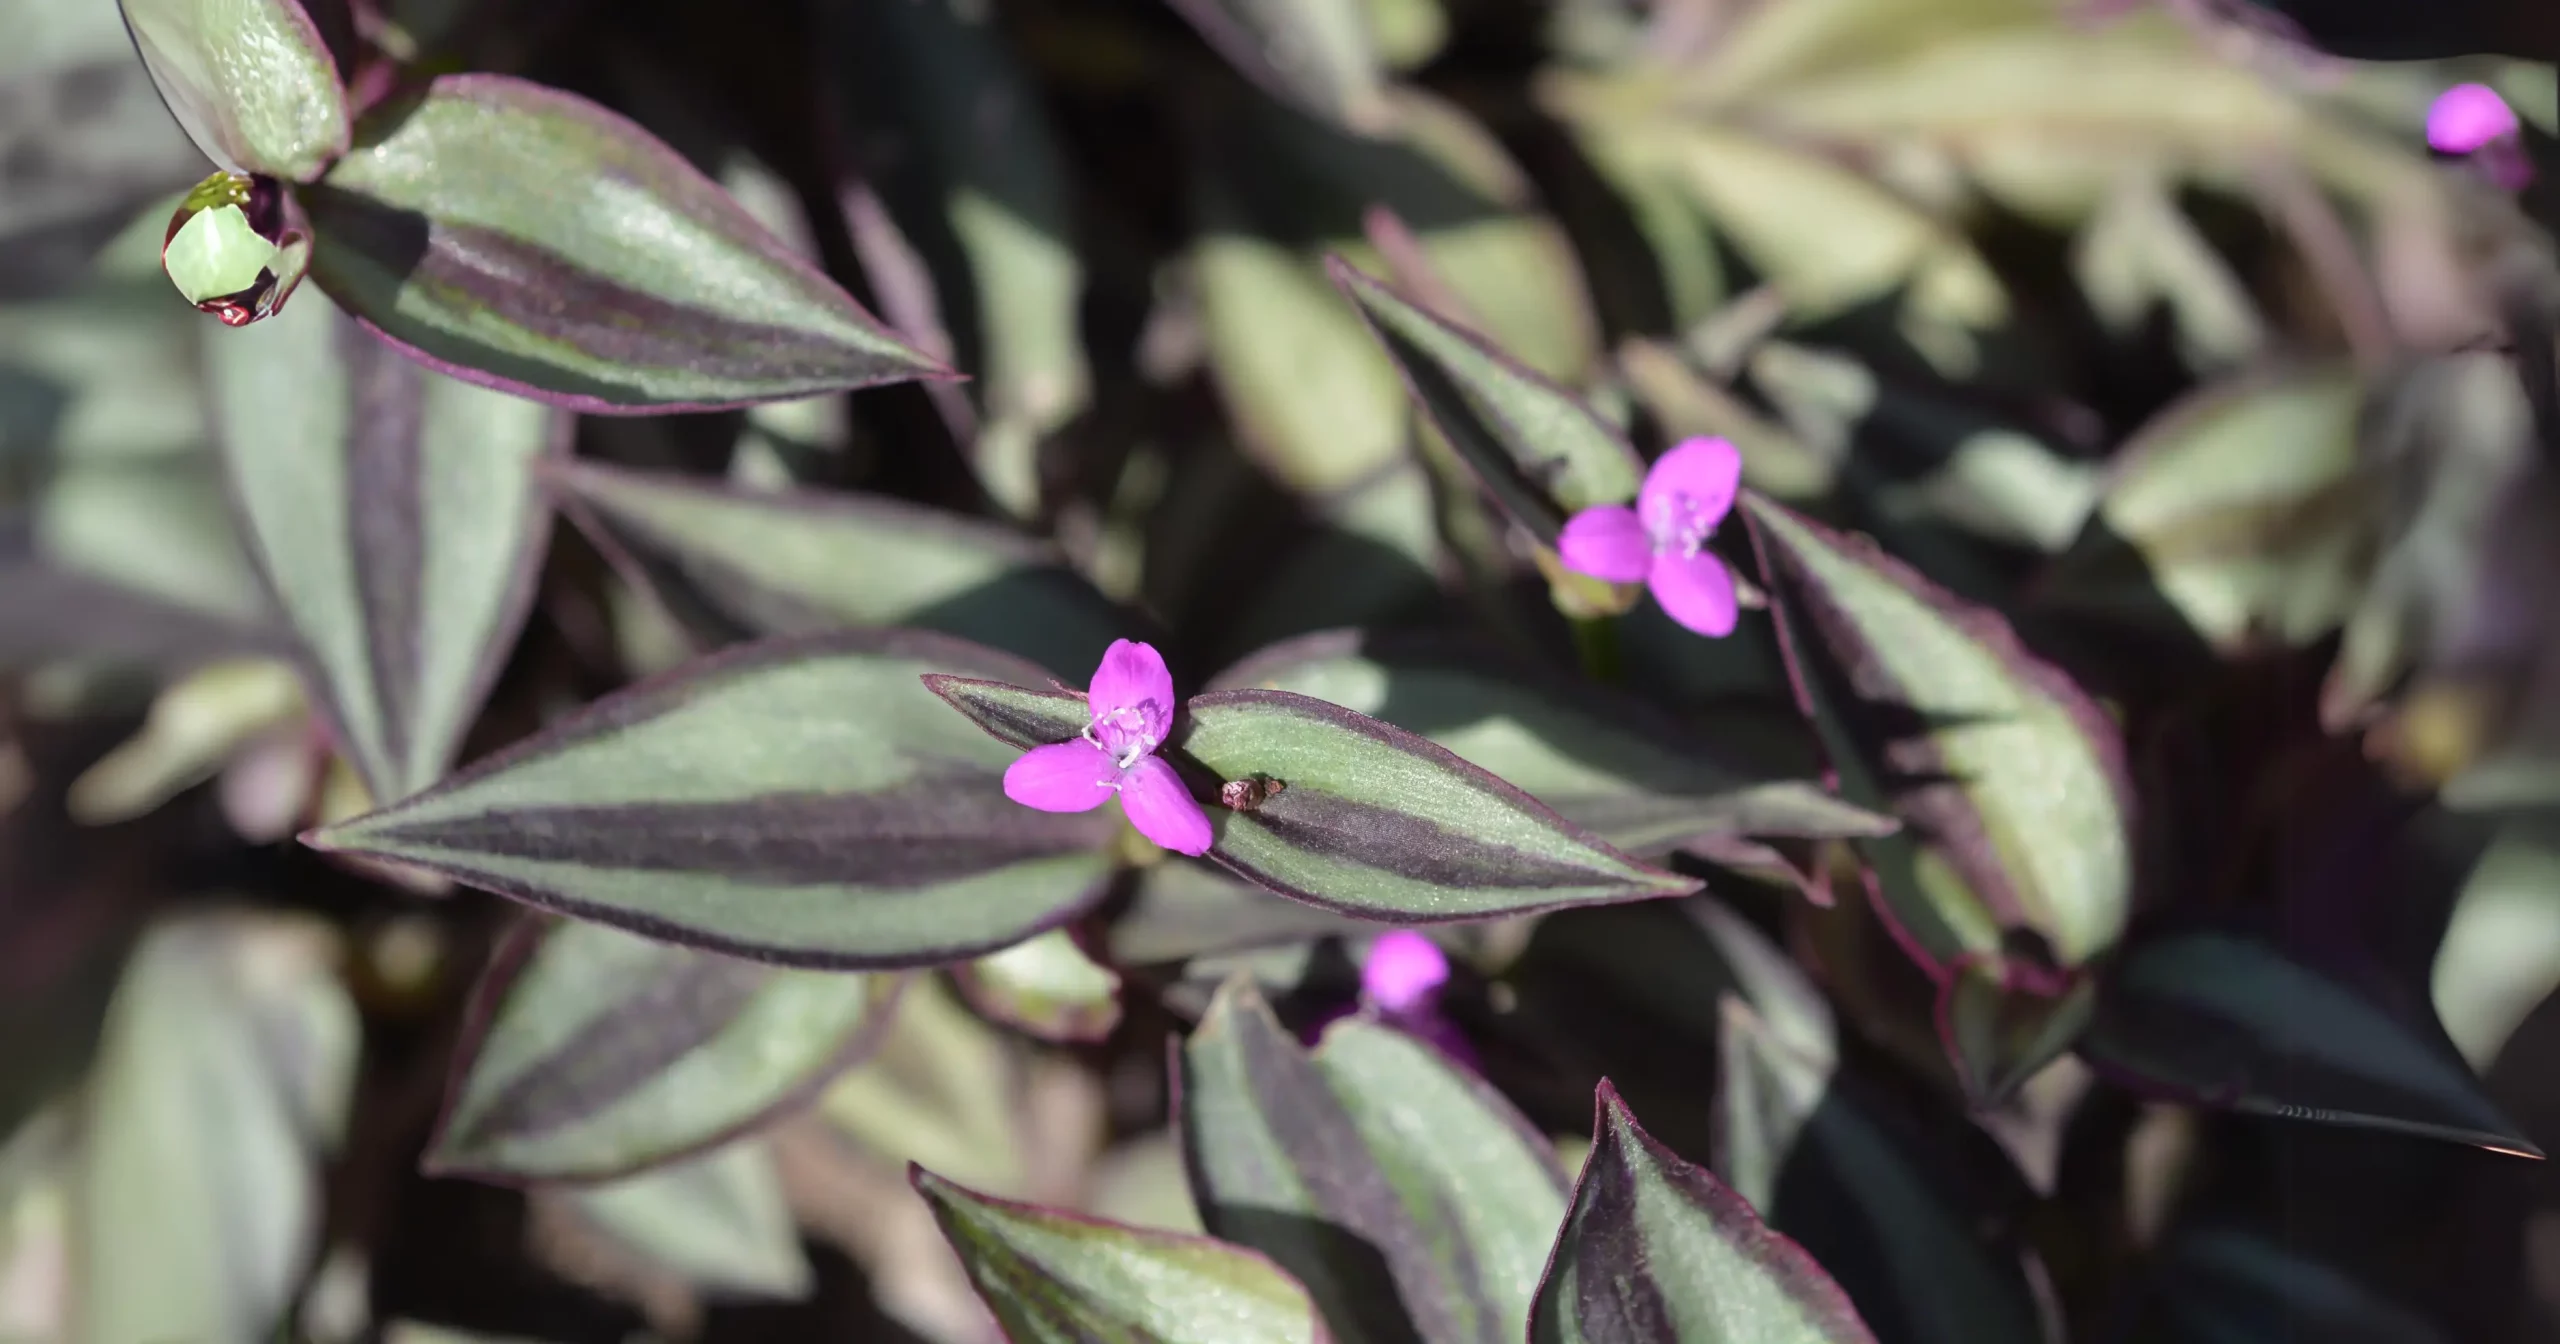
point(2472, 121)
point(2468, 116)
point(1403, 972)
point(1132, 707)
point(1663, 539)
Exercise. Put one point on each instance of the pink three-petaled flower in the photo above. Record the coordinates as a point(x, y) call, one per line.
point(1662, 540)
point(1131, 707)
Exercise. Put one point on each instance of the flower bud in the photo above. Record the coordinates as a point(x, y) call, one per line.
point(236, 247)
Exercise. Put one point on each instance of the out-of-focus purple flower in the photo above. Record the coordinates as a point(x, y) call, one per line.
point(2468, 116)
point(2472, 121)
point(1404, 972)
point(1662, 540)
point(1131, 706)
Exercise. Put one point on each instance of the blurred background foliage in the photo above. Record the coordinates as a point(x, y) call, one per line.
point(2154, 330)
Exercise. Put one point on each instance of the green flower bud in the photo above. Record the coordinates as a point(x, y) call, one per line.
point(235, 249)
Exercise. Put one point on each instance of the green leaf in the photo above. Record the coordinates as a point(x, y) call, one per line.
point(720, 1222)
point(1602, 761)
point(530, 240)
point(2231, 1022)
point(1371, 820)
point(1046, 986)
point(1801, 1142)
point(805, 801)
point(1057, 1278)
point(1402, 1190)
point(1541, 452)
point(1319, 54)
point(225, 1070)
point(593, 1053)
point(796, 561)
point(398, 521)
point(1656, 1249)
point(1378, 822)
point(2009, 780)
point(981, 189)
point(250, 81)
point(1313, 399)
point(2245, 544)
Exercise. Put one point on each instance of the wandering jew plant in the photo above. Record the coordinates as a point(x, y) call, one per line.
point(1843, 665)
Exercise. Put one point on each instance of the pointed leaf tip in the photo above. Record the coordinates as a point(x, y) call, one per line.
point(1540, 452)
point(1054, 1277)
point(644, 290)
point(803, 801)
point(1656, 1248)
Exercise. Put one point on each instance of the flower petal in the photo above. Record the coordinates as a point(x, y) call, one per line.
point(1132, 677)
point(1403, 971)
point(1696, 590)
point(1708, 471)
point(2467, 116)
point(1062, 777)
point(1606, 541)
point(1162, 809)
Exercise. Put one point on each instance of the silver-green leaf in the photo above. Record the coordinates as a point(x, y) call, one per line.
point(397, 518)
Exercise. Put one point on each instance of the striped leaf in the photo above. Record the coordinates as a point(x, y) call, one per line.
point(1058, 1278)
point(1370, 820)
point(2224, 1021)
point(1409, 1197)
point(804, 801)
point(1538, 449)
point(1655, 1249)
point(1602, 762)
point(249, 81)
point(594, 1053)
point(2009, 780)
point(530, 240)
point(398, 522)
point(795, 561)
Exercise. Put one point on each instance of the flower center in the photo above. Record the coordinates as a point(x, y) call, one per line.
point(1679, 525)
point(1122, 734)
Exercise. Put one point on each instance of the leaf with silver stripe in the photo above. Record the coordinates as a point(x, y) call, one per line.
point(396, 516)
